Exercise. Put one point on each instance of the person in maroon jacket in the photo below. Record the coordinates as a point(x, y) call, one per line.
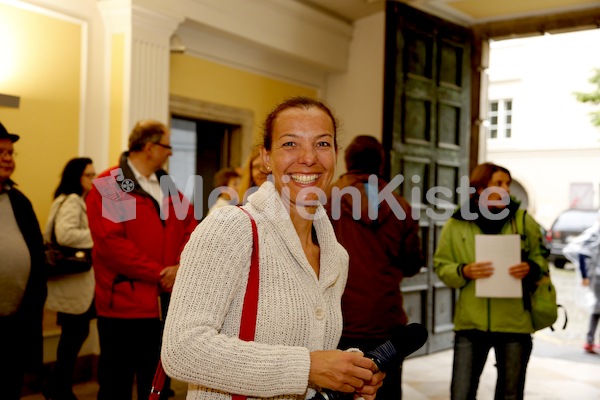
point(139, 223)
point(383, 245)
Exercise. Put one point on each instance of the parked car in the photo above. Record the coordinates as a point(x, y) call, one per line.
point(567, 226)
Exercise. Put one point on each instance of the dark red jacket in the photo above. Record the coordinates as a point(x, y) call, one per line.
point(129, 255)
point(382, 251)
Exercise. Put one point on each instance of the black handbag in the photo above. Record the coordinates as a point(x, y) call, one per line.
point(64, 260)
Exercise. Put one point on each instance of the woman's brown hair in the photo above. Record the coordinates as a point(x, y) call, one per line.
point(482, 175)
point(296, 102)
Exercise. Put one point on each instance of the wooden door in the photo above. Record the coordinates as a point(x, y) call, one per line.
point(427, 132)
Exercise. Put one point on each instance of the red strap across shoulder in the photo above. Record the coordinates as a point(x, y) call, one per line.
point(248, 322)
point(249, 312)
point(250, 309)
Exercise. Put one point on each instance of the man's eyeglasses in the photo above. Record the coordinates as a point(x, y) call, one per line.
point(165, 146)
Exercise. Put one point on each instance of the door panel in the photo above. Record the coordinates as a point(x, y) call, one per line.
point(427, 133)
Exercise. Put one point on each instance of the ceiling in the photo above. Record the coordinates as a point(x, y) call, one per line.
point(463, 12)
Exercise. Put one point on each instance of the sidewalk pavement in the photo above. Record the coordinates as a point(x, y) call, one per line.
point(555, 372)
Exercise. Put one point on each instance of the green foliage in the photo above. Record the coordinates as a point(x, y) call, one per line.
point(592, 97)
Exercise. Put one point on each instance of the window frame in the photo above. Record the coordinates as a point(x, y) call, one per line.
point(500, 113)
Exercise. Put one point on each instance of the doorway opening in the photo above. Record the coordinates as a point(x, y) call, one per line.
point(205, 138)
point(200, 148)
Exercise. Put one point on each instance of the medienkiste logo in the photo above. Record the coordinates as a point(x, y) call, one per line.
point(119, 206)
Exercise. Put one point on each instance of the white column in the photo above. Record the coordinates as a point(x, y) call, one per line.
point(147, 36)
point(150, 51)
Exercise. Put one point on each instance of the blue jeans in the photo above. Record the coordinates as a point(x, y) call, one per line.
point(471, 348)
point(594, 318)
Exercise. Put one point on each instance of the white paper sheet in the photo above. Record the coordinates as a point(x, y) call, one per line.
point(503, 251)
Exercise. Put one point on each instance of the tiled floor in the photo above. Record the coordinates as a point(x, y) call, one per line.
point(428, 377)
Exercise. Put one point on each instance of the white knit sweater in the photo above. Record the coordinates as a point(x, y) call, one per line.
point(297, 312)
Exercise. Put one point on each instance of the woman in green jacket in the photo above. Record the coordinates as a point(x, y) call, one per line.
point(481, 323)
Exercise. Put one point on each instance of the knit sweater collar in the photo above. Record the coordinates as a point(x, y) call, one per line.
point(272, 212)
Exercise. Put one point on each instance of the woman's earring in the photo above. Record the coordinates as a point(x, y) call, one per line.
point(268, 168)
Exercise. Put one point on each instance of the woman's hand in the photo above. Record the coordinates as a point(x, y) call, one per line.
point(478, 270)
point(519, 271)
point(369, 391)
point(343, 371)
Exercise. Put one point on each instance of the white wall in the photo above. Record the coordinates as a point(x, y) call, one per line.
point(554, 143)
point(357, 94)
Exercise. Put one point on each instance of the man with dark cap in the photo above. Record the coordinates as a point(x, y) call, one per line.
point(383, 245)
point(22, 279)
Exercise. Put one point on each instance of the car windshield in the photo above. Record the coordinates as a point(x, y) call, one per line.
point(575, 220)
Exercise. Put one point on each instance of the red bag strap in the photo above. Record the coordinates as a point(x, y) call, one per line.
point(250, 308)
point(158, 382)
point(249, 312)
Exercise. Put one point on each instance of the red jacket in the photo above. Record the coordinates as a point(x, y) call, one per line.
point(129, 255)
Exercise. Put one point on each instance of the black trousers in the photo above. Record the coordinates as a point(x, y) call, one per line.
point(75, 328)
point(392, 384)
point(129, 350)
point(12, 368)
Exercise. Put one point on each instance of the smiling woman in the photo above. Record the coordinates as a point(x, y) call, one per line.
point(302, 268)
point(301, 154)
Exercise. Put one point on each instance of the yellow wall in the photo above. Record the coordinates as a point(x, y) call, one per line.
point(208, 81)
point(41, 63)
point(44, 71)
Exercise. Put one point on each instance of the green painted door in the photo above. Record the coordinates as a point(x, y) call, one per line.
point(427, 111)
